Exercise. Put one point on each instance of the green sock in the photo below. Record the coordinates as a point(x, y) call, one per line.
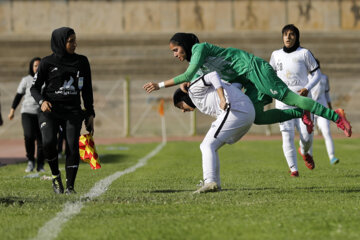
point(274, 115)
point(292, 99)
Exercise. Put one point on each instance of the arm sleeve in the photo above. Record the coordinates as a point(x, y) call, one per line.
point(313, 80)
point(213, 79)
point(39, 80)
point(197, 60)
point(16, 100)
point(187, 75)
point(87, 91)
point(22, 86)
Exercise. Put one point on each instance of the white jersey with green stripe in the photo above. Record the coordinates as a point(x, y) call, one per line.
point(229, 63)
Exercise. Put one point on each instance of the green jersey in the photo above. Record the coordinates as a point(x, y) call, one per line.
point(229, 63)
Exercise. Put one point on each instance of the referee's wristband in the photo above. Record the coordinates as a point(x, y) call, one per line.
point(161, 84)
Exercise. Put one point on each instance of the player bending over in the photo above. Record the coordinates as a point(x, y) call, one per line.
point(234, 113)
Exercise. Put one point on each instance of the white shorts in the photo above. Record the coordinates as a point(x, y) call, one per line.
point(290, 125)
point(236, 125)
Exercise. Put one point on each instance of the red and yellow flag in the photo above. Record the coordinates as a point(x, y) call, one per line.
point(88, 151)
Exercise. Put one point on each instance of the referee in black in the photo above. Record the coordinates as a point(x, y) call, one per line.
point(64, 75)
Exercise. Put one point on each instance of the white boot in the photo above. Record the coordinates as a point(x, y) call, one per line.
point(208, 187)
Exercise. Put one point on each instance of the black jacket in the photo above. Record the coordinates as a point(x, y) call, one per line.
point(64, 76)
point(63, 83)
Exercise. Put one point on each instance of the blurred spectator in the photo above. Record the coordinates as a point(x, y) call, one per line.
point(29, 118)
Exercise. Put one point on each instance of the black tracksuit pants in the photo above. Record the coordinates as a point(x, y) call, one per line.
point(71, 122)
point(32, 134)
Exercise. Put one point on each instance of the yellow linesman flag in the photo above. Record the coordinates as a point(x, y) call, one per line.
point(161, 107)
point(88, 151)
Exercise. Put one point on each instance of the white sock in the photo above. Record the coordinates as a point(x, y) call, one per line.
point(289, 149)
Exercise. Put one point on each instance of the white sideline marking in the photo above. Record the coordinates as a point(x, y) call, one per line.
point(53, 227)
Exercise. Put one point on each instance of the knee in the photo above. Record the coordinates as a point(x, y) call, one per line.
point(204, 146)
point(287, 136)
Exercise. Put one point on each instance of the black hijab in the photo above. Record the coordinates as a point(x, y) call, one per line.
point(180, 96)
point(58, 45)
point(297, 33)
point(31, 64)
point(187, 41)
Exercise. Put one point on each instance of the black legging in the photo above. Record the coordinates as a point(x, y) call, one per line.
point(32, 133)
point(49, 125)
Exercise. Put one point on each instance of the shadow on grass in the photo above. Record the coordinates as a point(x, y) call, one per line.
point(323, 189)
point(112, 158)
point(7, 201)
point(169, 191)
point(175, 191)
point(257, 189)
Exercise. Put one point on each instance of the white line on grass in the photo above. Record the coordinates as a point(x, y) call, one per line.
point(53, 227)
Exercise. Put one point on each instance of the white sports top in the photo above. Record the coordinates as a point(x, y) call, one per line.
point(293, 69)
point(203, 94)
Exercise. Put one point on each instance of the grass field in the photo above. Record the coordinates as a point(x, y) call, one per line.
point(259, 200)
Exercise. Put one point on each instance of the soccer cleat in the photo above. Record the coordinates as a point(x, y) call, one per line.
point(306, 118)
point(208, 187)
point(30, 167)
point(308, 159)
point(334, 161)
point(343, 123)
point(294, 174)
point(40, 168)
point(57, 184)
point(70, 190)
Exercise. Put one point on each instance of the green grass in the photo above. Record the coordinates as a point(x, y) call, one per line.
point(259, 200)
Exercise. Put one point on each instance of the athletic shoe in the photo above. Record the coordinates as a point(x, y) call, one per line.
point(294, 174)
point(30, 167)
point(343, 123)
point(200, 184)
point(306, 118)
point(334, 161)
point(57, 184)
point(70, 190)
point(208, 187)
point(40, 168)
point(308, 159)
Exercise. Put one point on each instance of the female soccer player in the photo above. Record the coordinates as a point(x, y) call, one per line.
point(255, 74)
point(29, 118)
point(234, 113)
point(65, 74)
point(293, 63)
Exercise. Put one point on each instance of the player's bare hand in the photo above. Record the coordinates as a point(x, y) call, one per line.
point(223, 104)
point(150, 86)
point(46, 106)
point(11, 114)
point(303, 92)
point(184, 87)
